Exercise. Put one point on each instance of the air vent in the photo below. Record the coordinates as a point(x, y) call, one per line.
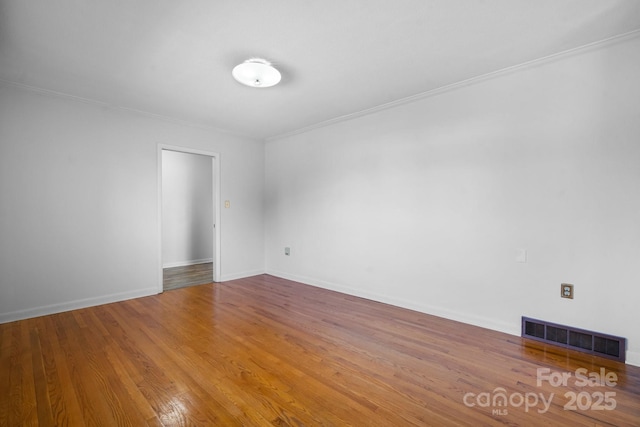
point(604, 345)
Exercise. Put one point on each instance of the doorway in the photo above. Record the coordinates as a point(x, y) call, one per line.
point(189, 215)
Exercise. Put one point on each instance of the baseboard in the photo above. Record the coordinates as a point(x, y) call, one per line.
point(242, 275)
point(482, 322)
point(73, 305)
point(13, 316)
point(185, 263)
point(632, 357)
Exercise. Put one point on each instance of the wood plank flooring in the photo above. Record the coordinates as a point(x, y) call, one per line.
point(265, 351)
point(188, 275)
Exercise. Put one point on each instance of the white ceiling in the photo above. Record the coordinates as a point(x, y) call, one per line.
point(338, 57)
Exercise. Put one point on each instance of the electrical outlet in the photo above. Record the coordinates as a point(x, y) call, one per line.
point(566, 290)
point(287, 251)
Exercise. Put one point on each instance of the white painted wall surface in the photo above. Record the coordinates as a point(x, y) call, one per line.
point(187, 209)
point(79, 202)
point(425, 205)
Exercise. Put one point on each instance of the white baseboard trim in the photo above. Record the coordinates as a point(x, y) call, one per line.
point(632, 357)
point(185, 263)
point(73, 305)
point(482, 322)
point(242, 275)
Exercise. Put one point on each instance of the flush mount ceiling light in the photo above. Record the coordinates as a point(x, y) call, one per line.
point(256, 72)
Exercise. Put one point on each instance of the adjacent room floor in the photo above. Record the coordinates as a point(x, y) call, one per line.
point(188, 275)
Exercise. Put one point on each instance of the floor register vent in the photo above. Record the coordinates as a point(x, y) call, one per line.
point(595, 343)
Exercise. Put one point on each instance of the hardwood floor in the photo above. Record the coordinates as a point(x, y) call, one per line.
point(188, 275)
point(267, 351)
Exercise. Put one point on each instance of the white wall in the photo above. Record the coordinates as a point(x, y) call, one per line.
point(79, 202)
point(187, 209)
point(424, 205)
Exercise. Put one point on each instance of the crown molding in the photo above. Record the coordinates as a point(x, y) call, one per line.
point(102, 104)
point(402, 101)
point(457, 85)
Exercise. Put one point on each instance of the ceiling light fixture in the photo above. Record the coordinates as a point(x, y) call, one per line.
point(256, 72)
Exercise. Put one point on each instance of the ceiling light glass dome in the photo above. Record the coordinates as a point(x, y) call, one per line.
point(256, 72)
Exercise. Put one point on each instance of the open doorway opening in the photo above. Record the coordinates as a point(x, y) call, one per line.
point(189, 213)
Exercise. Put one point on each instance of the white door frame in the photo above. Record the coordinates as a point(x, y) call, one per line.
point(215, 169)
